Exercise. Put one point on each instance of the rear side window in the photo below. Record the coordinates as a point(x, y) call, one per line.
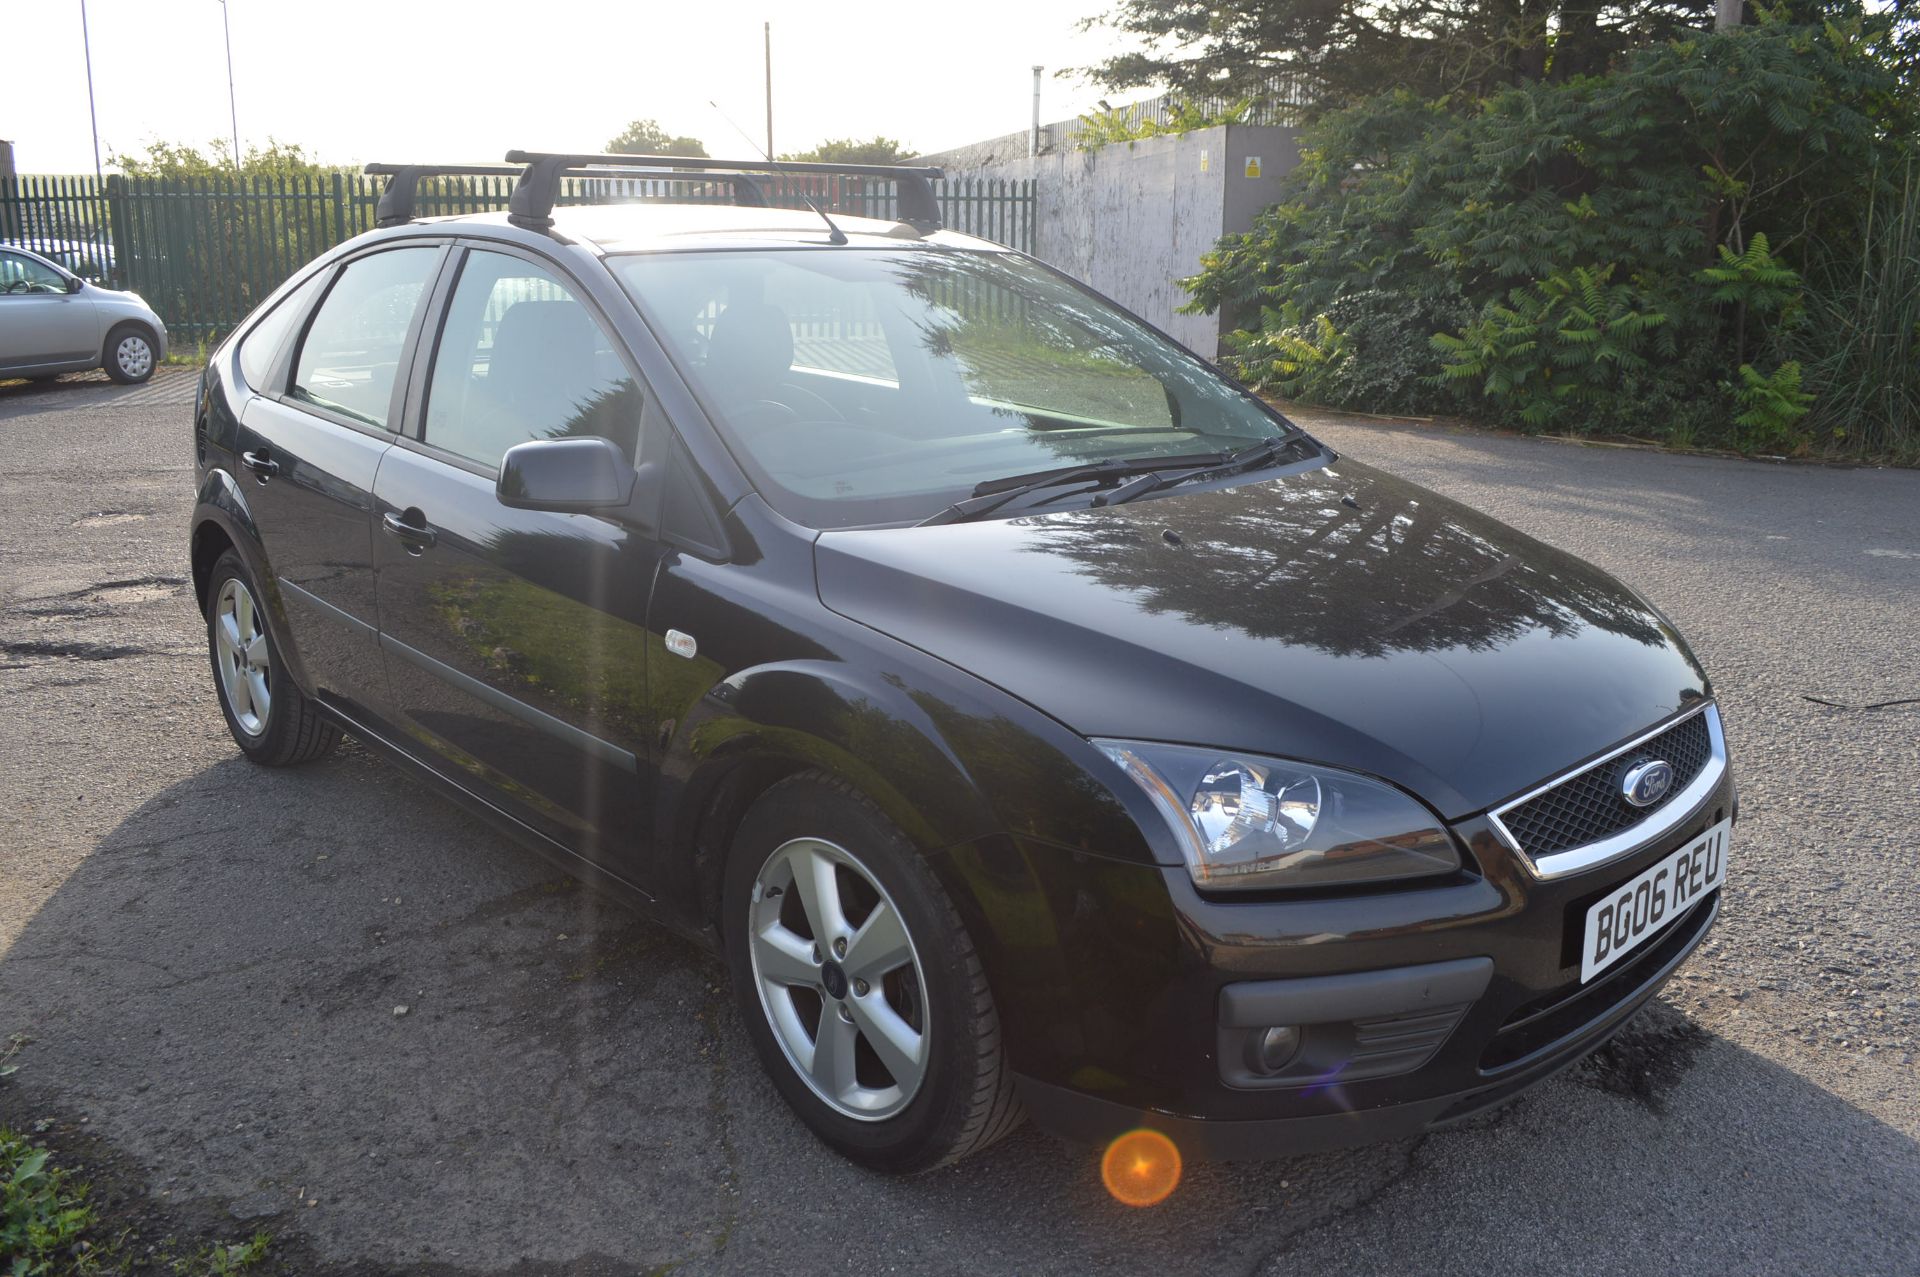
point(521, 358)
point(260, 347)
point(351, 354)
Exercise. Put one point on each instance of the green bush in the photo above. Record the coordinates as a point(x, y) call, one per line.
point(1616, 253)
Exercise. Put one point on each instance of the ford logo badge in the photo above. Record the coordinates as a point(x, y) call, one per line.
point(1645, 784)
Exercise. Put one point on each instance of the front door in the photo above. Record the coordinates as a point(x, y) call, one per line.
point(40, 321)
point(309, 447)
point(515, 640)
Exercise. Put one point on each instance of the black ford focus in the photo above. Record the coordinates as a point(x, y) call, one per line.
point(1037, 722)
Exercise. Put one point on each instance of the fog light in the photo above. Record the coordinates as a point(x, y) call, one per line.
point(1270, 1050)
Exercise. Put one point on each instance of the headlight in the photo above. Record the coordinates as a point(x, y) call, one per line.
point(1246, 823)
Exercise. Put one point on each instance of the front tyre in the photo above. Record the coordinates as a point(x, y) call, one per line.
point(130, 355)
point(861, 989)
point(271, 720)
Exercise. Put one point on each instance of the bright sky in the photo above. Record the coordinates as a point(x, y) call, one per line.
point(358, 80)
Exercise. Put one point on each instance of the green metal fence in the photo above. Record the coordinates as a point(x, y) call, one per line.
point(204, 252)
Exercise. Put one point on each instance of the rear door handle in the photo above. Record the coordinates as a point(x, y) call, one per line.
point(415, 536)
point(263, 466)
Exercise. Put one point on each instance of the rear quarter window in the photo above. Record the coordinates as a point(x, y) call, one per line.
point(262, 344)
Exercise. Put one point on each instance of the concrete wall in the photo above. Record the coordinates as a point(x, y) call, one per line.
point(1133, 218)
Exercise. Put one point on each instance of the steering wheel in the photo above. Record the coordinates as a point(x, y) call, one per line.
point(20, 286)
point(763, 413)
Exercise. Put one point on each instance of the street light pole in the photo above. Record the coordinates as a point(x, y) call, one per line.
point(233, 112)
point(767, 32)
point(1033, 137)
point(86, 45)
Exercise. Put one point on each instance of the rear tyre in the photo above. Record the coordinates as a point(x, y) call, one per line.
point(130, 355)
point(269, 717)
point(861, 989)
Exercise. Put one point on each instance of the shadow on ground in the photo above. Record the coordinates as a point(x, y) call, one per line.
point(329, 1001)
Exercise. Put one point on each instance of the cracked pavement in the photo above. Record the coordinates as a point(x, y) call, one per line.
point(330, 1000)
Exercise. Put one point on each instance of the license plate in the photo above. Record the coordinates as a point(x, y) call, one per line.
point(1632, 912)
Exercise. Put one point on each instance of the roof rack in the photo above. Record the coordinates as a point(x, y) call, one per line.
point(533, 198)
point(396, 201)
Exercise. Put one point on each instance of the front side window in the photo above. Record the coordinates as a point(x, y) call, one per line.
point(878, 385)
point(521, 358)
point(22, 276)
point(351, 354)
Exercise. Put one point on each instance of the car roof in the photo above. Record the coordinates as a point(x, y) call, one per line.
point(643, 227)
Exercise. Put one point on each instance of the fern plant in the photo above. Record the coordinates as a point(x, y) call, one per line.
point(1289, 354)
point(1755, 283)
point(1564, 341)
point(1770, 406)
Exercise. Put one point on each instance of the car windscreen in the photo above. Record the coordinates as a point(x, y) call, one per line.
point(867, 386)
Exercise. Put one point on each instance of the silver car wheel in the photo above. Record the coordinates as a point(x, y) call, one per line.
point(134, 355)
point(839, 979)
point(240, 646)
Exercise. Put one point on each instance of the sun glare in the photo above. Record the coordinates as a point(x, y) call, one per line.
point(1141, 1168)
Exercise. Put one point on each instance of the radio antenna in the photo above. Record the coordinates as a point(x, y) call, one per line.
point(835, 235)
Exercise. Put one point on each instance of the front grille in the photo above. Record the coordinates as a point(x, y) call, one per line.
point(1588, 807)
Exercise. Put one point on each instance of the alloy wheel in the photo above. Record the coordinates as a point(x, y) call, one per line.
point(240, 642)
point(839, 979)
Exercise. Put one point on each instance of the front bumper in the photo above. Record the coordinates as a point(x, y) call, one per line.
point(1605, 1008)
point(1422, 1005)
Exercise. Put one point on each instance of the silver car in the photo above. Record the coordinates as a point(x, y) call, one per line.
point(52, 321)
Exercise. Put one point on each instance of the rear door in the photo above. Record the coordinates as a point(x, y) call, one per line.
point(40, 321)
point(515, 640)
point(310, 444)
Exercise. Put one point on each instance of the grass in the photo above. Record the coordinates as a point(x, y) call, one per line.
point(196, 358)
point(1861, 341)
point(49, 1227)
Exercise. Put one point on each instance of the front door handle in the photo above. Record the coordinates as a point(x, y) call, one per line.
point(415, 536)
point(263, 466)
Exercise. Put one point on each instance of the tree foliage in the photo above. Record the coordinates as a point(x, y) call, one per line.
point(175, 161)
point(1541, 228)
point(847, 150)
point(646, 137)
point(1343, 52)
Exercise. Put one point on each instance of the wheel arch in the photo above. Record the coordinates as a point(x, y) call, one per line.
point(222, 521)
point(757, 727)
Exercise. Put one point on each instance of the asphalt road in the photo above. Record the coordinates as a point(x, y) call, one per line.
point(210, 959)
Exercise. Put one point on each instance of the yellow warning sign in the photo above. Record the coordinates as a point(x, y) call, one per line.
point(1253, 166)
point(1206, 161)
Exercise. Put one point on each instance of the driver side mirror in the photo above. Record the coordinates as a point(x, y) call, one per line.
point(75, 283)
point(566, 476)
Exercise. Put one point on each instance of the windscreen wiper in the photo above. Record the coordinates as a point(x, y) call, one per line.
point(1163, 476)
point(994, 493)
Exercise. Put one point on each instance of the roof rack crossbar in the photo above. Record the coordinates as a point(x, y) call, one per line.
point(538, 189)
point(400, 197)
point(397, 200)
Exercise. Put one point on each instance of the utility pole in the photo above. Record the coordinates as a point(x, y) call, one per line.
point(233, 112)
point(86, 45)
point(767, 31)
point(1728, 14)
point(1033, 137)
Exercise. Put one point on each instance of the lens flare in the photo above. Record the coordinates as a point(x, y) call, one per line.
point(1141, 1168)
